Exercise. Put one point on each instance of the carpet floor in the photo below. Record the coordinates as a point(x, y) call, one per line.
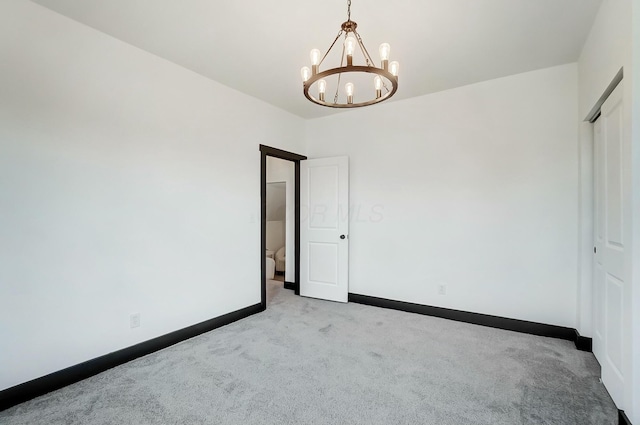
point(306, 361)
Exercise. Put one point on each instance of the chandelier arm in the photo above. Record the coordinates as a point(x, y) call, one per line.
point(368, 58)
point(365, 52)
point(331, 47)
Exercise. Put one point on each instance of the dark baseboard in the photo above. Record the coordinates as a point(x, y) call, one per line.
point(56, 380)
point(533, 328)
point(290, 285)
point(583, 343)
point(622, 418)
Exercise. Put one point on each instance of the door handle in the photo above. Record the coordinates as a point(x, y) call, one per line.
point(342, 236)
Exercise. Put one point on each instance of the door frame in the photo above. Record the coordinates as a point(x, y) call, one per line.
point(586, 278)
point(266, 151)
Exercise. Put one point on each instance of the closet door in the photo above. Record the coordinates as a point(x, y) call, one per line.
point(609, 249)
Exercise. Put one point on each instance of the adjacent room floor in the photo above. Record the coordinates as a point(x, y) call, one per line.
point(306, 361)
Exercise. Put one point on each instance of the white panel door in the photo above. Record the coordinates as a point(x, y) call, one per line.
point(609, 245)
point(324, 229)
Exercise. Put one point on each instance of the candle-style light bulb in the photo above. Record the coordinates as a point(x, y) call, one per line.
point(350, 45)
point(384, 50)
point(314, 55)
point(394, 68)
point(305, 72)
point(322, 87)
point(377, 83)
point(349, 89)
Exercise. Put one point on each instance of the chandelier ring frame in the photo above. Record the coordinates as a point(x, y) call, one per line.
point(351, 69)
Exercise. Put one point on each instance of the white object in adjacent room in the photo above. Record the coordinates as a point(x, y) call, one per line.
point(609, 285)
point(324, 230)
point(270, 271)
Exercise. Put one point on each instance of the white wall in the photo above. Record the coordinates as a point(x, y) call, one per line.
point(606, 50)
point(474, 187)
point(609, 47)
point(279, 170)
point(276, 234)
point(128, 184)
point(276, 201)
point(276, 215)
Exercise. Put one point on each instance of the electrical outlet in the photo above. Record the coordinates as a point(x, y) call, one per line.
point(134, 320)
point(442, 289)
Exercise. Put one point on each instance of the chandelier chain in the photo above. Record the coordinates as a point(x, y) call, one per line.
point(348, 10)
point(335, 98)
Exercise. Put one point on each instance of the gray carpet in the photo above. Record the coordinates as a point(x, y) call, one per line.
point(306, 361)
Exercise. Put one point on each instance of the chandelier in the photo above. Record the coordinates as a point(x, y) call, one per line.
point(383, 84)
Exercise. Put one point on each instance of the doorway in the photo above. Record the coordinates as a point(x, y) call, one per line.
point(265, 152)
point(280, 233)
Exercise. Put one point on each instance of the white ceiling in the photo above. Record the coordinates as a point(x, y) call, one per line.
point(258, 46)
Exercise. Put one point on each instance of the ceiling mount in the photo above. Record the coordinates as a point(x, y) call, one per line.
point(384, 82)
point(349, 26)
